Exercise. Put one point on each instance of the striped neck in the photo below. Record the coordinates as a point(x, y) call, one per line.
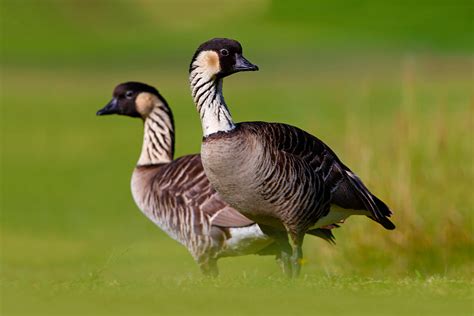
point(207, 95)
point(158, 138)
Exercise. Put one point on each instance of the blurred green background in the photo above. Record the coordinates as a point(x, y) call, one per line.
point(388, 85)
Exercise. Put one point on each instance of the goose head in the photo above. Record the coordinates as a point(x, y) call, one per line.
point(220, 57)
point(134, 99)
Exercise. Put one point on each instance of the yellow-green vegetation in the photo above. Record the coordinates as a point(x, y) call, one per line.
point(388, 87)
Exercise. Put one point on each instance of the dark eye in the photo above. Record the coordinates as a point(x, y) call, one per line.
point(129, 94)
point(224, 52)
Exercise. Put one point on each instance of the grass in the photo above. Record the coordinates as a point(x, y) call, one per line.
point(249, 293)
point(400, 115)
point(77, 276)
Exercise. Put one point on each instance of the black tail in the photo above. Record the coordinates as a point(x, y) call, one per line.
point(379, 210)
point(383, 208)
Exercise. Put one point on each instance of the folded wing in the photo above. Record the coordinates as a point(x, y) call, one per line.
point(347, 190)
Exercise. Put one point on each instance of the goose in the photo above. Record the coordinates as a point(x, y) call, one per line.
point(175, 193)
point(283, 178)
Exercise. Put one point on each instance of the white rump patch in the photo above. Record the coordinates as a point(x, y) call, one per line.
point(246, 240)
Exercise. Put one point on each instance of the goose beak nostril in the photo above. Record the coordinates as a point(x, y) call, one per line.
point(110, 108)
point(242, 64)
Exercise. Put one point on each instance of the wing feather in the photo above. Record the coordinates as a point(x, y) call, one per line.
point(347, 190)
point(186, 178)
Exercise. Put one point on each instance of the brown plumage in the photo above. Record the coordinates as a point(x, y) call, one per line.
point(176, 194)
point(275, 174)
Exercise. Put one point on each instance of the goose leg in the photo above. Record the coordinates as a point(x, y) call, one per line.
point(209, 267)
point(285, 252)
point(296, 242)
point(284, 258)
point(282, 248)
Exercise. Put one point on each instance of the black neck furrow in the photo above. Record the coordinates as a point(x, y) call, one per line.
point(207, 95)
point(158, 140)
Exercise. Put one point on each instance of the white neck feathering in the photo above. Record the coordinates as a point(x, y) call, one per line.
point(207, 95)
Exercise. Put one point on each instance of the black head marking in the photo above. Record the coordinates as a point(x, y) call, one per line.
point(230, 56)
point(124, 97)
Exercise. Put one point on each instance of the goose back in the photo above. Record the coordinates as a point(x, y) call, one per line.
point(269, 186)
point(286, 165)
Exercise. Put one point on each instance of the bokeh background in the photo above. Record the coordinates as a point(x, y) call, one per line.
point(387, 84)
